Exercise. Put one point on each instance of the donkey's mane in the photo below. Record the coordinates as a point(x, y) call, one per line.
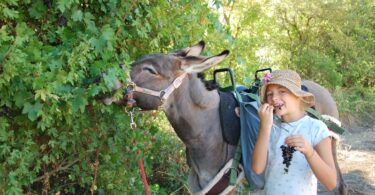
point(209, 84)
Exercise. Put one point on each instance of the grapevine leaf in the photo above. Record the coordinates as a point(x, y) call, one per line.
point(107, 33)
point(32, 110)
point(79, 102)
point(20, 98)
point(77, 16)
point(37, 10)
point(63, 4)
point(10, 13)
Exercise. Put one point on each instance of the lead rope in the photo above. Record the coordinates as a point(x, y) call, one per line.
point(133, 126)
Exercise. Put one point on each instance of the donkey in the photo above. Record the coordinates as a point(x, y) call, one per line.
point(170, 82)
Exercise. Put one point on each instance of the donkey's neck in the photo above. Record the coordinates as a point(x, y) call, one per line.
point(193, 111)
point(194, 114)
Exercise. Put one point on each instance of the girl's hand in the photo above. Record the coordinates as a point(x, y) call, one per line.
point(300, 143)
point(266, 116)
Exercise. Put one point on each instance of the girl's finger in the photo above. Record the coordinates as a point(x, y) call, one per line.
point(295, 143)
point(264, 107)
point(294, 138)
point(290, 139)
point(299, 149)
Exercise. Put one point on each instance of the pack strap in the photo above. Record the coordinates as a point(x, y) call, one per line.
point(235, 163)
point(330, 124)
point(254, 97)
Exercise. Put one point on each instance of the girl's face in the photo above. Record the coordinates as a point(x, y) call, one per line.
point(286, 105)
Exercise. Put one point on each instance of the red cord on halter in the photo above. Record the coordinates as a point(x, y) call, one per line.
point(143, 175)
point(133, 126)
point(142, 169)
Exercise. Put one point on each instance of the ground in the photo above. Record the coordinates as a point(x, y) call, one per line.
point(356, 154)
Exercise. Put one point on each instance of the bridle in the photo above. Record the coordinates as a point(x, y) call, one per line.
point(162, 94)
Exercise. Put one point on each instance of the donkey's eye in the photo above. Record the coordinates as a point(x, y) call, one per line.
point(150, 69)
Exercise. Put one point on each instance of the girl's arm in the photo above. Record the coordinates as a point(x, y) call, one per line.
point(259, 158)
point(322, 163)
point(320, 159)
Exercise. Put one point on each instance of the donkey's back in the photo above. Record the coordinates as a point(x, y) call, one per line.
point(324, 102)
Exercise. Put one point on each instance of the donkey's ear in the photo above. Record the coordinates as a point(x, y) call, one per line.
point(194, 50)
point(193, 64)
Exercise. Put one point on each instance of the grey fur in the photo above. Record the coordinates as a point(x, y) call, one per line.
point(324, 101)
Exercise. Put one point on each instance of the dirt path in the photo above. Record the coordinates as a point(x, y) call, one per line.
point(356, 155)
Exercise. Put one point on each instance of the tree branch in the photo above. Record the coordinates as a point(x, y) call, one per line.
point(126, 15)
point(61, 168)
point(96, 167)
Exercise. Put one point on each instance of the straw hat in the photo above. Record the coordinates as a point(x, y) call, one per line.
point(290, 80)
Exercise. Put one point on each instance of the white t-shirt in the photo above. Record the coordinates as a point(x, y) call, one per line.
point(300, 179)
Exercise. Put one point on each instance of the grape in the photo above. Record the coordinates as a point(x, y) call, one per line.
point(62, 20)
point(287, 156)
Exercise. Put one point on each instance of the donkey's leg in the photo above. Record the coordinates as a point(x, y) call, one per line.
point(341, 188)
point(194, 186)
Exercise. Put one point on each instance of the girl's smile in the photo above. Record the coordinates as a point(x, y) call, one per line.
point(286, 104)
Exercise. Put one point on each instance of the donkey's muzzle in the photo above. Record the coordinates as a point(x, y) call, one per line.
point(129, 97)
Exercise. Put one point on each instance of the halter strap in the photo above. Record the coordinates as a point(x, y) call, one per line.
point(162, 94)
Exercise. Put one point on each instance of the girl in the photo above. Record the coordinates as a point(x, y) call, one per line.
point(310, 138)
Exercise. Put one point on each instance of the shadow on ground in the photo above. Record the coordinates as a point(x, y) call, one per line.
point(355, 187)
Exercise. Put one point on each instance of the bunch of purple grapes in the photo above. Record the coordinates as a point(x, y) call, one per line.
point(287, 155)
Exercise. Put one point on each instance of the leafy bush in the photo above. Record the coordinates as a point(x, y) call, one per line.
point(358, 103)
point(55, 134)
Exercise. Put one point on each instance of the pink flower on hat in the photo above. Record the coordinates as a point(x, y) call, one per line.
point(267, 77)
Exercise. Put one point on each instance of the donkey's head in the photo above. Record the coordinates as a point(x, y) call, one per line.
point(153, 78)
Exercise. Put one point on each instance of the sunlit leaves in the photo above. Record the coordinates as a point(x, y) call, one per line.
point(110, 77)
point(89, 20)
point(23, 34)
point(9, 13)
point(322, 40)
point(62, 5)
point(77, 15)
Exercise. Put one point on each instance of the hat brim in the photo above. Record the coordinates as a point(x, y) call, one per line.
point(307, 97)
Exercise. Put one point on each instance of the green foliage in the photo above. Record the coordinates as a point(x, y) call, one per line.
point(358, 103)
point(319, 66)
point(55, 134)
point(169, 167)
point(330, 42)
